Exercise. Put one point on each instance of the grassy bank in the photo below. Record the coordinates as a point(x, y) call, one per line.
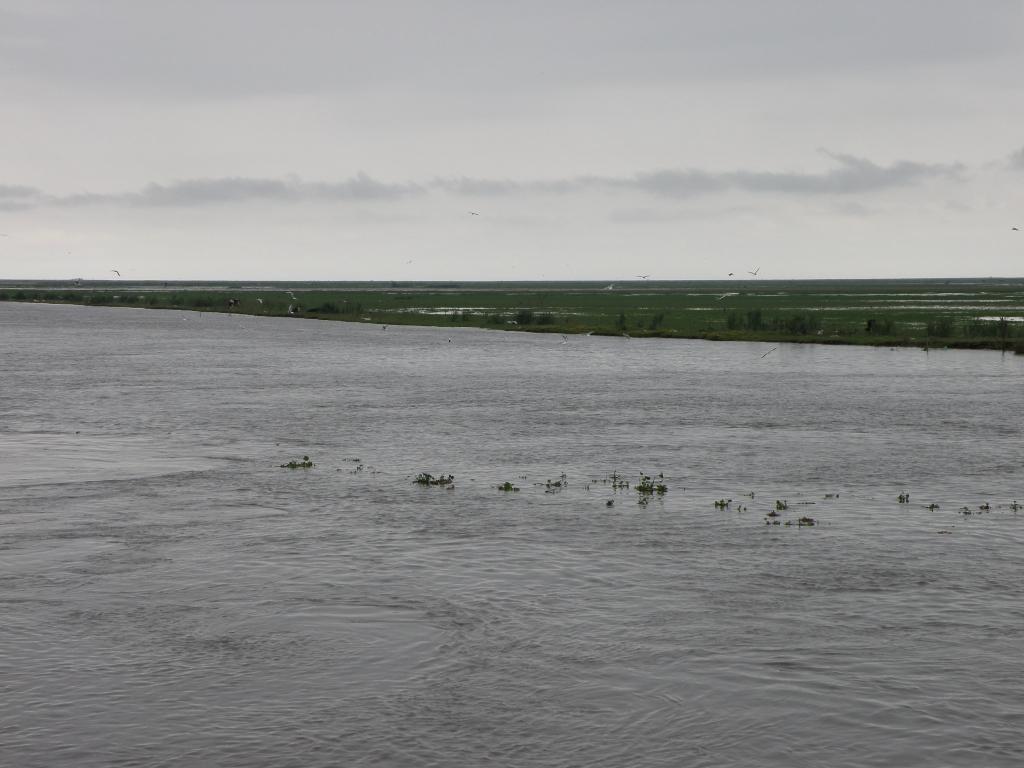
point(984, 313)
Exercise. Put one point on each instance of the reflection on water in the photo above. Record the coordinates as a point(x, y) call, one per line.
point(173, 597)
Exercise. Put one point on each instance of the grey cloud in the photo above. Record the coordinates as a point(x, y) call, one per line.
point(852, 176)
point(10, 192)
point(198, 192)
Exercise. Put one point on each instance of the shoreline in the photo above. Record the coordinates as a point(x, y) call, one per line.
point(1015, 346)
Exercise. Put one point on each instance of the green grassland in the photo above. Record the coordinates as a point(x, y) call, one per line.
point(967, 313)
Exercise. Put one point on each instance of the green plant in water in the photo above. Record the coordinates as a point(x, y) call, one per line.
point(507, 486)
point(423, 478)
point(304, 464)
point(780, 505)
point(647, 486)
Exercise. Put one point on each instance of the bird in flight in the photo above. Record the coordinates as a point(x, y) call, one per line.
point(768, 352)
point(1015, 229)
point(730, 274)
point(610, 287)
point(726, 295)
point(116, 272)
point(473, 213)
point(643, 277)
point(754, 273)
point(259, 300)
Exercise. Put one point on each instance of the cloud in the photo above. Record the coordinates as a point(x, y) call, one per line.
point(852, 175)
point(1016, 160)
point(235, 189)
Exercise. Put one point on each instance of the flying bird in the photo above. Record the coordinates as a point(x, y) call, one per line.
point(259, 300)
point(1015, 229)
point(116, 272)
point(565, 339)
point(754, 273)
point(725, 296)
point(472, 213)
point(609, 287)
point(643, 277)
point(768, 352)
point(730, 274)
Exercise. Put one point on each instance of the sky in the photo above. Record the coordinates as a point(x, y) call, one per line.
point(485, 140)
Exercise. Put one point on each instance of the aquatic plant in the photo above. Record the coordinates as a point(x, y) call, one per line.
point(781, 505)
point(647, 486)
point(507, 486)
point(903, 498)
point(722, 503)
point(932, 506)
point(304, 464)
point(424, 478)
point(806, 521)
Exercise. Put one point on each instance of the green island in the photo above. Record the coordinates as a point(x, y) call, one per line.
point(972, 313)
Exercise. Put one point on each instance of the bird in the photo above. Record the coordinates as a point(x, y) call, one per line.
point(754, 273)
point(116, 272)
point(610, 287)
point(565, 339)
point(643, 277)
point(473, 213)
point(292, 295)
point(725, 296)
point(626, 335)
point(768, 352)
point(730, 274)
point(291, 310)
point(258, 299)
point(1015, 229)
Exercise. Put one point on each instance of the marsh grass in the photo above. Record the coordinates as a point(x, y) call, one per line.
point(926, 313)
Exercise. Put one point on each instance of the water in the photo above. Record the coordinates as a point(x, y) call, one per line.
point(171, 596)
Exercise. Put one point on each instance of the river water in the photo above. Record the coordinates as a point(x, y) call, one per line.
point(172, 596)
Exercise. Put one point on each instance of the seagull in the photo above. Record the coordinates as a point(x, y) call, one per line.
point(116, 272)
point(291, 310)
point(292, 295)
point(754, 273)
point(730, 274)
point(565, 339)
point(609, 287)
point(726, 295)
point(259, 300)
point(768, 352)
point(643, 277)
point(472, 213)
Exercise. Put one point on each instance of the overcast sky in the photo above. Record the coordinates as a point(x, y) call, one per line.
point(595, 139)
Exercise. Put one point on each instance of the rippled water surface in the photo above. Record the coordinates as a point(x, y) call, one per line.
point(171, 596)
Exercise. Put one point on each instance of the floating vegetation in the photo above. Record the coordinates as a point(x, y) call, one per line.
point(424, 478)
point(933, 506)
point(723, 503)
point(806, 521)
point(831, 495)
point(903, 498)
point(773, 513)
point(508, 487)
point(610, 503)
point(1015, 506)
point(554, 486)
point(781, 505)
point(304, 464)
point(984, 507)
point(647, 486)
